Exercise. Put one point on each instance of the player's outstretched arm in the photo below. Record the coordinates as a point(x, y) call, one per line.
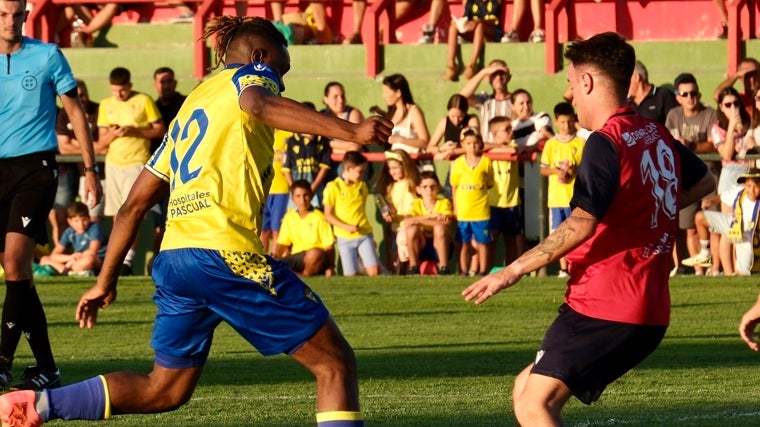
point(748, 324)
point(146, 192)
point(571, 233)
point(286, 114)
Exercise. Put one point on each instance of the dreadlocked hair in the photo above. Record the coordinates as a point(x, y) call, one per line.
point(229, 28)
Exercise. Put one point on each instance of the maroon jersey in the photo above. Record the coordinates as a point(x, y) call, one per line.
point(621, 272)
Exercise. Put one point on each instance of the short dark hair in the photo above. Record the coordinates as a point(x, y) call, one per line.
point(77, 209)
point(162, 70)
point(610, 55)
point(302, 184)
point(430, 175)
point(684, 78)
point(353, 158)
point(119, 76)
point(564, 109)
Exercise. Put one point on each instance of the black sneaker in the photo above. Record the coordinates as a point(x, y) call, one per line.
point(413, 271)
point(5, 372)
point(35, 378)
point(444, 270)
point(126, 270)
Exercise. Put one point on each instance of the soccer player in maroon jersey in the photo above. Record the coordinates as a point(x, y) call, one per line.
point(633, 179)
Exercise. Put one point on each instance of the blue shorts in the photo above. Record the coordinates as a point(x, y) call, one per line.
point(196, 289)
point(274, 210)
point(557, 216)
point(507, 221)
point(477, 230)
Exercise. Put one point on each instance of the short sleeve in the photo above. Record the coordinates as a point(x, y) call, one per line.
point(598, 176)
point(60, 71)
point(257, 74)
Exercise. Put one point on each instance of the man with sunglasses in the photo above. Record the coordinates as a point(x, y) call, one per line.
point(647, 99)
point(690, 124)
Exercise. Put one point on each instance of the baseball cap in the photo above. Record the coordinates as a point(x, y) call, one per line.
point(752, 173)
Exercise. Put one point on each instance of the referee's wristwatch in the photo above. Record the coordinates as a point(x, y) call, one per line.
point(94, 169)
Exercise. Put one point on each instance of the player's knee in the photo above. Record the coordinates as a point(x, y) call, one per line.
point(314, 262)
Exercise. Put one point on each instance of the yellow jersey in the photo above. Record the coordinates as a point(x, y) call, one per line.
point(138, 111)
point(557, 154)
point(442, 207)
point(302, 234)
point(505, 192)
point(279, 183)
point(471, 186)
point(349, 205)
point(218, 162)
point(401, 198)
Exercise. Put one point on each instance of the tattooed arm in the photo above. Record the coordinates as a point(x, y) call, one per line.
point(569, 235)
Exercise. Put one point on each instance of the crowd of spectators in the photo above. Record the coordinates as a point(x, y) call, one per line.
point(477, 126)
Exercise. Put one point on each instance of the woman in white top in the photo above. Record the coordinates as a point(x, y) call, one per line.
point(730, 136)
point(410, 132)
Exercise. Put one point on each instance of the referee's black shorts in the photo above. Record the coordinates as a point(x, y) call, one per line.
point(27, 191)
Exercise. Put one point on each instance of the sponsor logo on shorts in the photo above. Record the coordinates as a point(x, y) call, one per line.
point(25, 220)
point(539, 355)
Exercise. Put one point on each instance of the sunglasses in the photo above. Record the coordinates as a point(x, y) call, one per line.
point(731, 104)
point(692, 94)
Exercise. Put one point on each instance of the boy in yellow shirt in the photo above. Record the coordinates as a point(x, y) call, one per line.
point(504, 197)
point(305, 241)
point(471, 177)
point(344, 203)
point(559, 162)
point(428, 232)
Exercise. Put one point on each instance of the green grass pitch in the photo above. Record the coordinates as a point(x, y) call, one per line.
point(426, 358)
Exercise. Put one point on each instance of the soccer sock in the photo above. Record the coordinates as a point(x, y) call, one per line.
point(340, 419)
point(35, 328)
point(704, 247)
point(86, 400)
point(130, 256)
point(13, 308)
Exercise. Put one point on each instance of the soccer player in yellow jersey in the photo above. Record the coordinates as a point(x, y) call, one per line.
point(471, 177)
point(216, 163)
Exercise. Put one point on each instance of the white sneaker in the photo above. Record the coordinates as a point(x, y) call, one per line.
point(510, 37)
point(537, 36)
point(563, 274)
point(699, 259)
point(427, 34)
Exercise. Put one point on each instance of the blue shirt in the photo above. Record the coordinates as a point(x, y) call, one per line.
point(81, 242)
point(30, 80)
